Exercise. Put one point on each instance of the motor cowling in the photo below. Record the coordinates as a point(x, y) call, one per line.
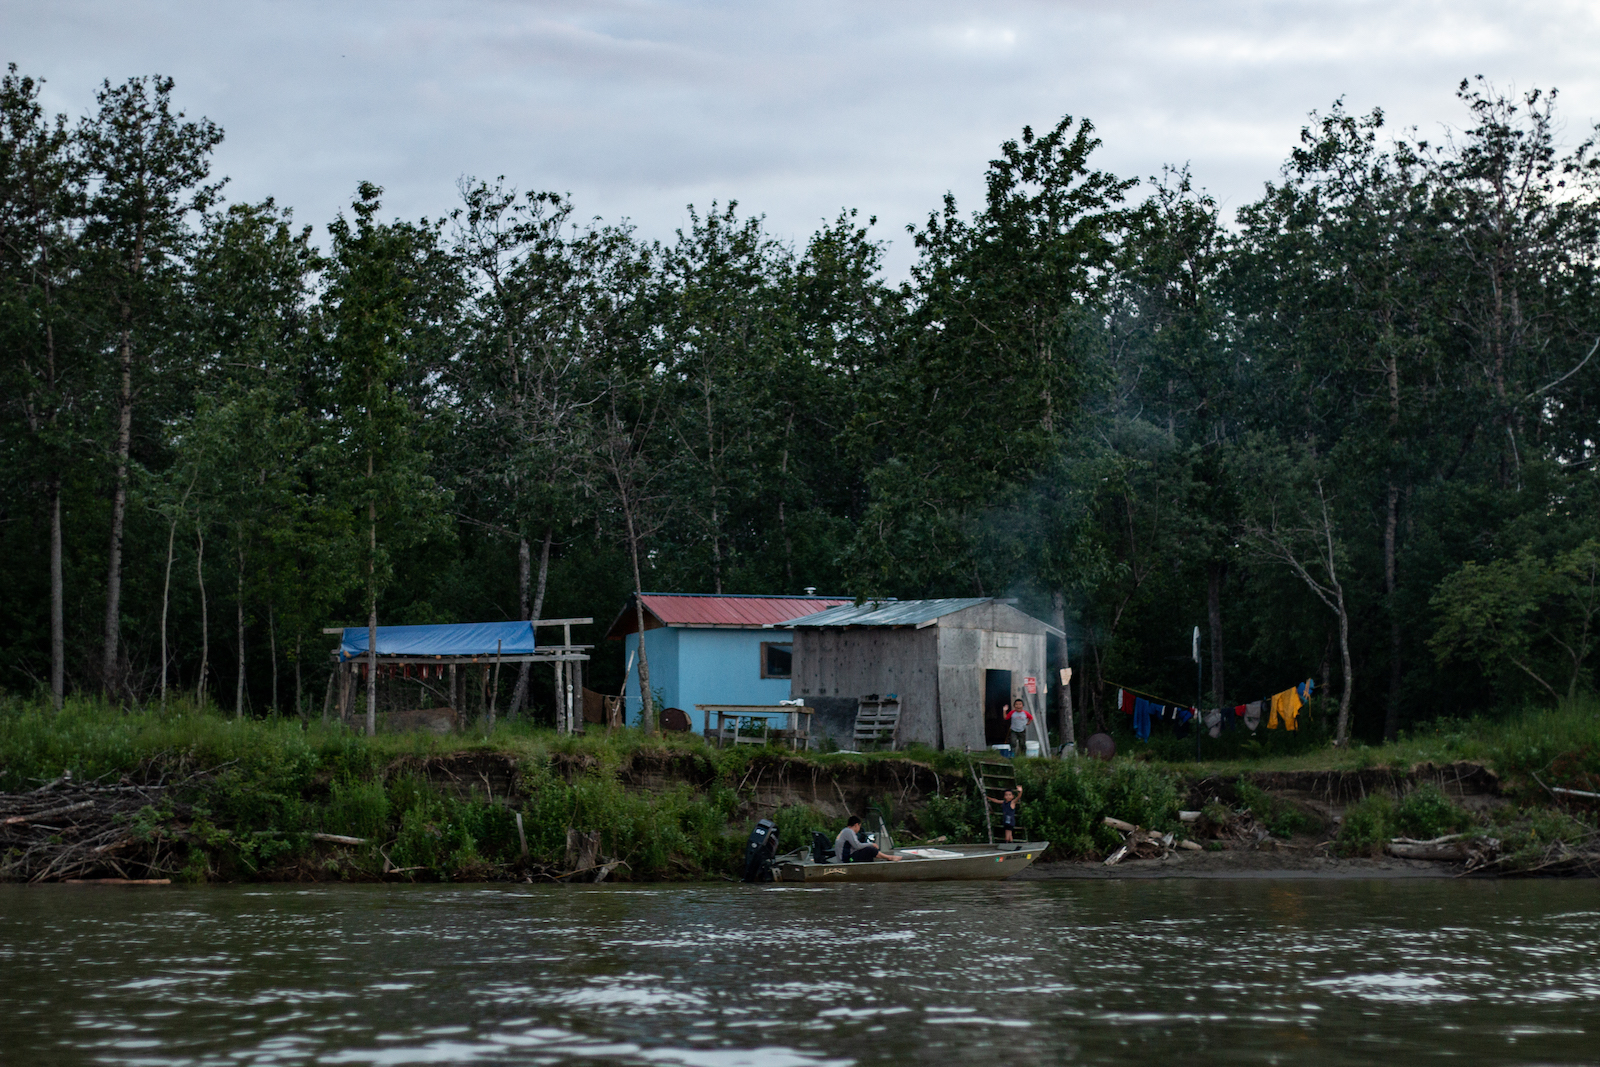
point(759, 851)
point(821, 848)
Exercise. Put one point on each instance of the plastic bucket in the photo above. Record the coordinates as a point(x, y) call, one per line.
point(1004, 750)
point(1033, 749)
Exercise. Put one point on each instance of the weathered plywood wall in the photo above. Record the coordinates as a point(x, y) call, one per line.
point(988, 637)
point(961, 686)
point(853, 663)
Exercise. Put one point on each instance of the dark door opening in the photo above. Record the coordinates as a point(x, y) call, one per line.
point(996, 698)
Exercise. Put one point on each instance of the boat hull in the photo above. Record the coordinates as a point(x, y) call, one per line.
point(977, 864)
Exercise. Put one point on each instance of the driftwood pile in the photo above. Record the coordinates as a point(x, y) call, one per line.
point(79, 831)
point(1487, 853)
point(1141, 844)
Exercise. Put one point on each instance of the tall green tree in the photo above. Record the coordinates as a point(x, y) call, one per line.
point(41, 205)
point(388, 293)
point(149, 168)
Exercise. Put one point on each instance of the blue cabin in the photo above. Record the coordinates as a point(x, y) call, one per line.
point(705, 649)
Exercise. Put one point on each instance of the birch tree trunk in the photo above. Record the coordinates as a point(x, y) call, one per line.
point(166, 597)
point(1058, 619)
point(58, 641)
point(238, 689)
point(205, 625)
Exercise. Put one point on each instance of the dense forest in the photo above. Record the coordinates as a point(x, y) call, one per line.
point(1350, 432)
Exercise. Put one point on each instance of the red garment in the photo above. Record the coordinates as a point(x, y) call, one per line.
point(1127, 702)
point(1239, 710)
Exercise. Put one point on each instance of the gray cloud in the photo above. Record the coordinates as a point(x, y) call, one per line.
point(638, 108)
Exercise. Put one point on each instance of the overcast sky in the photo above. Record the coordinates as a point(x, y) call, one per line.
point(795, 110)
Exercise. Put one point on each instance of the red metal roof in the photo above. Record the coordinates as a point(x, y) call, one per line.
point(705, 610)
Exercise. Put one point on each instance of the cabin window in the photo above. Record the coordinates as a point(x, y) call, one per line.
point(1005, 641)
point(776, 660)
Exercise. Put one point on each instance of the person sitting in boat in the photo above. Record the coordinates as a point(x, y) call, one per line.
point(851, 847)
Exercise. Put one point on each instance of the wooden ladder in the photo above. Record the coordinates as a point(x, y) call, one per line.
point(877, 721)
point(993, 778)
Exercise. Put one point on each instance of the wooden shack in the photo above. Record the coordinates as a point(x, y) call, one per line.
point(954, 664)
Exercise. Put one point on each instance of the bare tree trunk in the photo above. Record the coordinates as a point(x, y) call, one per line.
point(238, 689)
point(299, 700)
point(272, 643)
point(647, 717)
point(110, 675)
point(58, 640)
point(1391, 718)
point(372, 609)
point(533, 611)
point(205, 625)
point(1216, 574)
point(1058, 619)
point(166, 597)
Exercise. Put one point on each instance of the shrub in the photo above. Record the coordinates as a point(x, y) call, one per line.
point(1427, 813)
point(1366, 826)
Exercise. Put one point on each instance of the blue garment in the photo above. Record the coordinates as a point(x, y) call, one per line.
point(1142, 710)
point(1305, 688)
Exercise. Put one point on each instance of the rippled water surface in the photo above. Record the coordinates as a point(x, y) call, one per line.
point(1291, 972)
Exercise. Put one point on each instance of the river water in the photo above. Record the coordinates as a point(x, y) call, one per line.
point(1302, 972)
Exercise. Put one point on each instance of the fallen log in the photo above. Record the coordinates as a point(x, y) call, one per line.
point(1447, 851)
point(118, 881)
point(16, 819)
point(339, 839)
point(1118, 824)
point(1117, 856)
point(1192, 846)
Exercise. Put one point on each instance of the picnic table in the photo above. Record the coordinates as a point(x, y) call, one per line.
point(797, 734)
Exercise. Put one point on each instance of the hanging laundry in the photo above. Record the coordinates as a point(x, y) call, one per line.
point(1238, 710)
point(1142, 710)
point(1214, 722)
point(1125, 701)
point(1285, 708)
point(1305, 689)
point(1252, 715)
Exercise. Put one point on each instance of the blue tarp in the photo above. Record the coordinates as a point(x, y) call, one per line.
point(455, 639)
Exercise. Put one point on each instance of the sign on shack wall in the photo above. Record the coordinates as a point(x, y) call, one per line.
point(1031, 683)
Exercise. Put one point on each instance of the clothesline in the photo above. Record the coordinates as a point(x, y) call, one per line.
point(1284, 706)
point(1152, 696)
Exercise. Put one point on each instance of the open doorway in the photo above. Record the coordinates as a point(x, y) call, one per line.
point(996, 698)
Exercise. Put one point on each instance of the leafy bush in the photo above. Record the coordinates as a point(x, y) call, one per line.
point(1281, 818)
point(795, 824)
point(1366, 826)
point(357, 808)
point(1426, 813)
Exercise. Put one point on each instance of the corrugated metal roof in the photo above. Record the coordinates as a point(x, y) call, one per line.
point(889, 612)
point(709, 610)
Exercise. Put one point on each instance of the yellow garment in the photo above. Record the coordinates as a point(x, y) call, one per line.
point(1285, 705)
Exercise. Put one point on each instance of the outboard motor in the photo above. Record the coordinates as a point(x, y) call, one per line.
point(821, 848)
point(759, 851)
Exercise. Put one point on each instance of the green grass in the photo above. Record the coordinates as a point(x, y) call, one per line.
point(1564, 741)
point(268, 784)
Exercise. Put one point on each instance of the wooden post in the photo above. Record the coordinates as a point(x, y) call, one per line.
point(494, 691)
point(577, 687)
point(454, 706)
point(558, 668)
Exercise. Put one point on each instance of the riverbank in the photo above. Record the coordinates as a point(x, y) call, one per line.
point(95, 792)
